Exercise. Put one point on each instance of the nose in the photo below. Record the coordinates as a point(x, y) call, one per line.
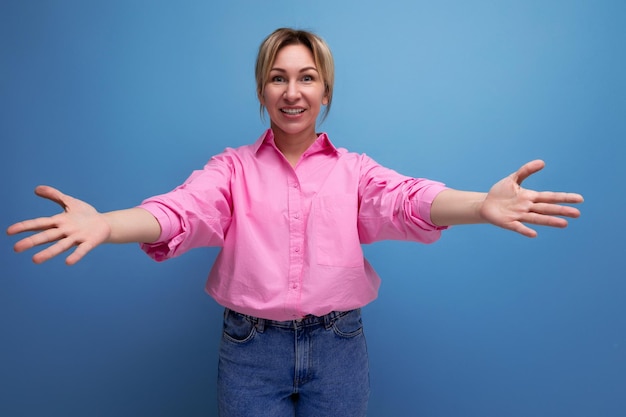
point(292, 92)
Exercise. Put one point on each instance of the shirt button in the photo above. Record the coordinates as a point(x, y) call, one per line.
point(296, 216)
point(297, 249)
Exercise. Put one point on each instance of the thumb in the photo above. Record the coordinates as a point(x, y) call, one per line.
point(528, 169)
point(52, 194)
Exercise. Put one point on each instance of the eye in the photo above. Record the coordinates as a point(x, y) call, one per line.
point(307, 78)
point(278, 79)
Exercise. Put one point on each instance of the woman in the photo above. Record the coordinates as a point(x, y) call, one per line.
point(290, 213)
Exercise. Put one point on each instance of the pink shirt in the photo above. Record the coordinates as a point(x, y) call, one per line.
point(291, 238)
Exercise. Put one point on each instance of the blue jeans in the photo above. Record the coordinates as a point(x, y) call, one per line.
point(316, 366)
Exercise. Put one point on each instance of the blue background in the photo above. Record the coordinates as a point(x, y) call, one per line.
point(114, 101)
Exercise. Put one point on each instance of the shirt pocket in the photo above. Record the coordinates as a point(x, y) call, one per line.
point(336, 234)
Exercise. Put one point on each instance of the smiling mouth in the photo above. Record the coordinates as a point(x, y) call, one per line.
point(292, 112)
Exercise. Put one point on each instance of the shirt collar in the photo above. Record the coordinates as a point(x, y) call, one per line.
point(321, 143)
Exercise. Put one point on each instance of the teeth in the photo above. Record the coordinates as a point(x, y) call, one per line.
point(292, 111)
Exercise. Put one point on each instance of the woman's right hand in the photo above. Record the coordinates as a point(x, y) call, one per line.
point(79, 225)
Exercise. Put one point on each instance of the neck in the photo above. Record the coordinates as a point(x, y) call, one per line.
point(293, 146)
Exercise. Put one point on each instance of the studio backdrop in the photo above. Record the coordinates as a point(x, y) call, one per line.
point(115, 101)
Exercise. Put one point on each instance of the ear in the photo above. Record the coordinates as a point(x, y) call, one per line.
point(260, 97)
point(325, 99)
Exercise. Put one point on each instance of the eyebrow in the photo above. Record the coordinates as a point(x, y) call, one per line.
point(305, 69)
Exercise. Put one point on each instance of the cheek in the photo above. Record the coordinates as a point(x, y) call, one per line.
point(269, 97)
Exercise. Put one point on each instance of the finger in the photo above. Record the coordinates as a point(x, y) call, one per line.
point(522, 229)
point(544, 220)
point(79, 253)
point(527, 170)
point(32, 225)
point(555, 210)
point(558, 197)
point(53, 250)
point(52, 194)
point(47, 236)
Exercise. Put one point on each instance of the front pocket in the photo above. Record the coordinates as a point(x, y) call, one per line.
point(349, 326)
point(238, 328)
point(336, 234)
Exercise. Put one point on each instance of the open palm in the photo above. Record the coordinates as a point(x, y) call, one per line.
point(78, 225)
point(510, 206)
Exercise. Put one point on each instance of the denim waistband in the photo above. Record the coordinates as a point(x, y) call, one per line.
point(326, 320)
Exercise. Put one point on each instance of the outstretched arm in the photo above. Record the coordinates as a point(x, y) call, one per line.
point(82, 226)
point(507, 205)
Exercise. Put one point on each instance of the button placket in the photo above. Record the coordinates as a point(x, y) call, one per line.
point(296, 242)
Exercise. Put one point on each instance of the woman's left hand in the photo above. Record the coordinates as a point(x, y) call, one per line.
point(510, 206)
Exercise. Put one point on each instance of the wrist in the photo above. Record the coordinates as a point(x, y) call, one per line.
point(479, 206)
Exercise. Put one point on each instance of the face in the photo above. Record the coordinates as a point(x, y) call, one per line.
point(294, 93)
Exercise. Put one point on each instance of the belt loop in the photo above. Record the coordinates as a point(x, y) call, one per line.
point(259, 324)
point(329, 320)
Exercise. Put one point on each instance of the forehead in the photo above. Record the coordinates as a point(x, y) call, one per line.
point(294, 56)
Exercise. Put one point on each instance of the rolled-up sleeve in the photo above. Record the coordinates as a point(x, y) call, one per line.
point(197, 213)
point(422, 201)
point(395, 207)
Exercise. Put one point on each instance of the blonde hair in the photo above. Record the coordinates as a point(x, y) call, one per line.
point(286, 36)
